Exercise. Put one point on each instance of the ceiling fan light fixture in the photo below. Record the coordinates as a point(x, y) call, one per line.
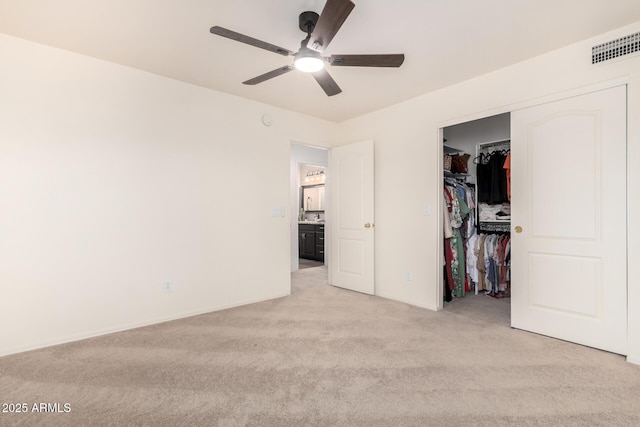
point(308, 64)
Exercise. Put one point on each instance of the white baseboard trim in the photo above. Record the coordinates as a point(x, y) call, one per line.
point(130, 326)
point(413, 303)
point(633, 360)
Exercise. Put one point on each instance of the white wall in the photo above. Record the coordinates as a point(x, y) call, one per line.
point(113, 181)
point(408, 161)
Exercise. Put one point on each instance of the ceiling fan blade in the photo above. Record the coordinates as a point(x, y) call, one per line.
point(326, 82)
point(250, 41)
point(271, 74)
point(333, 15)
point(393, 60)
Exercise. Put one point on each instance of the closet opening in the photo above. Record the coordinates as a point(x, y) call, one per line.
point(476, 219)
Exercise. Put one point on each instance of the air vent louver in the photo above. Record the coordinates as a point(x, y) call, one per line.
point(615, 48)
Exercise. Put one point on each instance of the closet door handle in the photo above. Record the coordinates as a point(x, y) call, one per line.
point(518, 229)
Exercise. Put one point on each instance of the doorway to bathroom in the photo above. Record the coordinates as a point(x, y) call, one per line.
point(349, 239)
point(309, 167)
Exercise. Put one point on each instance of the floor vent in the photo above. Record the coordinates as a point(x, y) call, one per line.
point(615, 48)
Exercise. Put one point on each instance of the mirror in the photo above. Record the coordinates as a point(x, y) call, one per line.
point(313, 198)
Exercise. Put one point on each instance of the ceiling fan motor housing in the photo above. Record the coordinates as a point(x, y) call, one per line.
point(307, 21)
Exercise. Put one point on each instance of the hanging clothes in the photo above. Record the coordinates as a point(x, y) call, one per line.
point(498, 192)
point(459, 225)
point(493, 187)
point(483, 178)
point(492, 259)
point(472, 259)
point(483, 261)
point(507, 167)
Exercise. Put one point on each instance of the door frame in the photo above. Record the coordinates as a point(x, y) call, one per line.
point(439, 262)
point(294, 206)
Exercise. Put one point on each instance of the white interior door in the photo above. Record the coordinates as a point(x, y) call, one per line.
point(568, 163)
point(352, 236)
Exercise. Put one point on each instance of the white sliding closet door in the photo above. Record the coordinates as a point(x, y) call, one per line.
point(569, 227)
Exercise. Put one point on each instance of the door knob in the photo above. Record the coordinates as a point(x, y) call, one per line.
point(368, 225)
point(518, 229)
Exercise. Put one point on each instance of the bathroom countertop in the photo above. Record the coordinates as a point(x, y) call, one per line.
point(311, 222)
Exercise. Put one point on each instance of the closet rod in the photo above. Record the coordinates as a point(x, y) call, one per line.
point(488, 144)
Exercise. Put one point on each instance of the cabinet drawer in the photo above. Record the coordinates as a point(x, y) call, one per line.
point(320, 242)
point(306, 227)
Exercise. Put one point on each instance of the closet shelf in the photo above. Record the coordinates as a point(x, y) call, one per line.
point(450, 150)
point(456, 175)
point(502, 226)
point(495, 144)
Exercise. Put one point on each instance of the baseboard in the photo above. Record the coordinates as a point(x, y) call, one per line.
point(413, 303)
point(135, 325)
point(633, 360)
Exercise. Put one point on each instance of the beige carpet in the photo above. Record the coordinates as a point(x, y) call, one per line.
point(321, 357)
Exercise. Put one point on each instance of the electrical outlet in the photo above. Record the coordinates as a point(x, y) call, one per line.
point(167, 286)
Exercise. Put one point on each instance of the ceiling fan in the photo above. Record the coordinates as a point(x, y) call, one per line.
point(320, 31)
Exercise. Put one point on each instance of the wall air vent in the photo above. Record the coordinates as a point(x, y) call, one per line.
point(615, 48)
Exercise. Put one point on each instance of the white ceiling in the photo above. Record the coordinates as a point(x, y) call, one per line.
point(444, 41)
